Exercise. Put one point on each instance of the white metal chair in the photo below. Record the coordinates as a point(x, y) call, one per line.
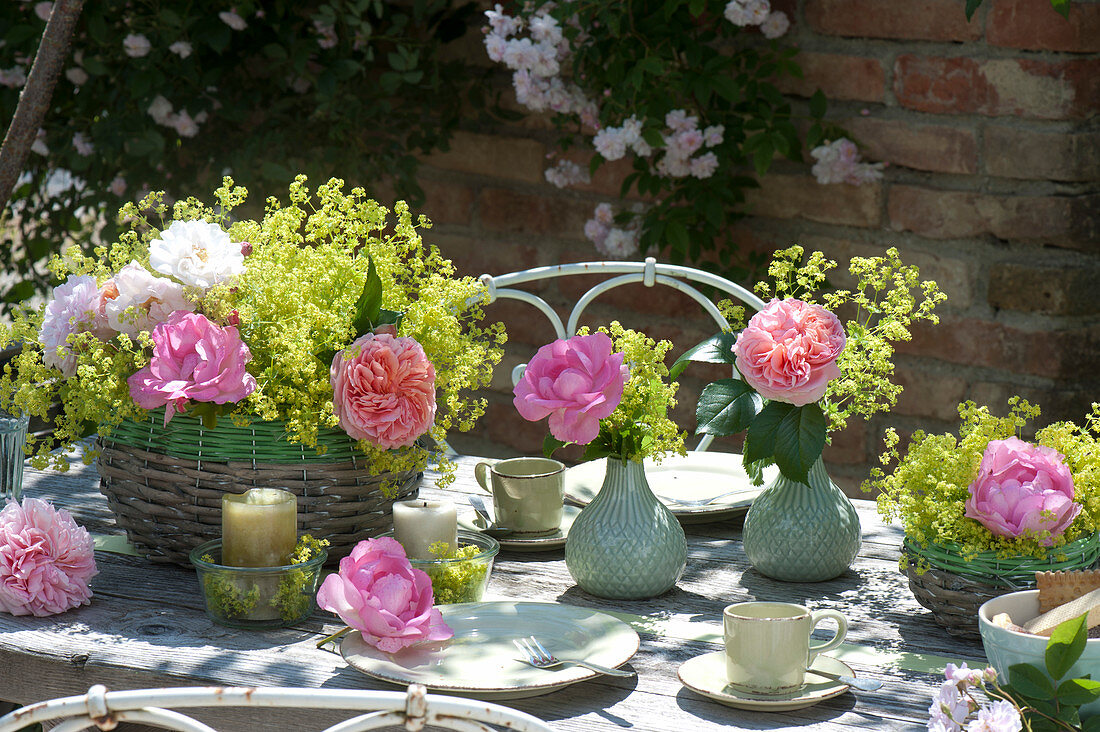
point(415, 709)
point(649, 273)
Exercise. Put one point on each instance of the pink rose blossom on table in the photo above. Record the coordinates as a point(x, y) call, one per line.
point(135, 300)
point(383, 390)
point(196, 253)
point(379, 593)
point(136, 45)
point(46, 560)
point(72, 309)
point(1023, 489)
point(576, 383)
point(788, 351)
point(193, 359)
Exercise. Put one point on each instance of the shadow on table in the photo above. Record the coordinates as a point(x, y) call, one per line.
point(712, 711)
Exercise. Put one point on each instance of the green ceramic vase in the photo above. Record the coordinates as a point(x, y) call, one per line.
point(625, 544)
point(802, 532)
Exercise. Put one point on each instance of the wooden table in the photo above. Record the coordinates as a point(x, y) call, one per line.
point(145, 628)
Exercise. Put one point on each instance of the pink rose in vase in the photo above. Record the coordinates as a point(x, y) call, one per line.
point(193, 359)
point(1023, 489)
point(788, 351)
point(384, 390)
point(379, 593)
point(576, 383)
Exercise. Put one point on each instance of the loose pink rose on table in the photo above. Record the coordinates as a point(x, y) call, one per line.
point(379, 593)
point(46, 560)
point(1023, 489)
point(788, 351)
point(384, 390)
point(193, 359)
point(576, 382)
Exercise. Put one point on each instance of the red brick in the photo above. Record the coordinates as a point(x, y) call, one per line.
point(1069, 221)
point(657, 300)
point(849, 446)
point(500, 209)
point(929, 20)
point(475, 256)
point(504, 425)
point(1059, 402)
point(447, 200)
point(998, 87)
point(496, 156)
point(840, 77)
point(1010, 152)
point(800, 196)
point(528, 329)
point(1034, 25)
point(1069, 290)
point(928, 393)
point(936, 148)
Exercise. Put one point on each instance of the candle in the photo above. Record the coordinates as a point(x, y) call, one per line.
point(419, 523)
point(259, 528)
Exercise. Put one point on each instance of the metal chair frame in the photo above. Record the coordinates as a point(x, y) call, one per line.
point(415, 709)
point(649, 273)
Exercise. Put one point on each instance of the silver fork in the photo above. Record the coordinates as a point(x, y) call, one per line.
point(536, 655)
point(696, 503)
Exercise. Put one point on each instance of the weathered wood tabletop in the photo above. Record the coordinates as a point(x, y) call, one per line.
point(145, 628)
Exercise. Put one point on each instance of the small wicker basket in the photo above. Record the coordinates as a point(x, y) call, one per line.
point(953, 588)
point(165, 484)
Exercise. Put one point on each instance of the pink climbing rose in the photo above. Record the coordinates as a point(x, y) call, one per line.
point(788, 351)
point(576, 383)
point(379, 593)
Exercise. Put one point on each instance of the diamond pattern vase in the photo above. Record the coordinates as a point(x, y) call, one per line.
point(802, 532)
point(625, 544)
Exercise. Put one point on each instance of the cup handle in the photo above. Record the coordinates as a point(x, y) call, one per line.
point(481, 474)
point(842, 630)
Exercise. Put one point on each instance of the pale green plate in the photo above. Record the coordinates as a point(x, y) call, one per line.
point(698, 475)
point(480, 661)
point(706, 675)
point(524, 542)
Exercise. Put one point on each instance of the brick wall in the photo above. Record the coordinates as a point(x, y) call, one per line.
point(991, 132)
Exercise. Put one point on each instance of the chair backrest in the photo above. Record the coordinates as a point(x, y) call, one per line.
point(649, 273)
point(414, 709)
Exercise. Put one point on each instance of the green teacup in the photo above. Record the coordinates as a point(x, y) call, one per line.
point(528, 493)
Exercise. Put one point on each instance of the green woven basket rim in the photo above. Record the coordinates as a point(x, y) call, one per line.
point(1015, 572)
point(260, 441)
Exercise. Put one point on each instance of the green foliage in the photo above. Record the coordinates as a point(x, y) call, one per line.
point(461, 581)
point(928, 487)
point(232, 596)
point(314, 86)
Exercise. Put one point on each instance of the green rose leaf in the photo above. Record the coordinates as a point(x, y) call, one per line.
point(369, 304)
point(1076, 692)
point(1030, 681)
point(716, 349)
point(1066, 645)
point(760, 437)
point(1069, 715)
point(726, 407)
point(972, 6)
point(1062, 6)
point(550, 444)
point(799, 439)
point(1092, 724)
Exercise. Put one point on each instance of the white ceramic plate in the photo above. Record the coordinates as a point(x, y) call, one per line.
point(696, 476)
point(706, 675)
point(523, 542)
point(480, 661)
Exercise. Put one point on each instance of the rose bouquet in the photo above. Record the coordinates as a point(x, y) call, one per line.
point(324, 314)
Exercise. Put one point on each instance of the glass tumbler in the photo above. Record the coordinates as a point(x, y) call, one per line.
point(13, 437)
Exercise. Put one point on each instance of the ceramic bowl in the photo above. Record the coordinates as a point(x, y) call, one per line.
point(256, 597)
point(1005, 647)
point(461, 580)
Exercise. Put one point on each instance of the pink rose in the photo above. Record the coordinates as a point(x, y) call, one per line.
point(193, 358)
point(576, 382)
point(1023, 489)
point(788, 351)
point(46, 560)
point(384, 390)
point(379, 593)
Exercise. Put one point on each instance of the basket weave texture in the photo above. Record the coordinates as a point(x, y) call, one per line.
point(954, 588)
point(165, 484)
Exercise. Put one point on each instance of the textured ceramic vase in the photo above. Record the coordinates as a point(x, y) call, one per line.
point(625, 544)
point(802, 532)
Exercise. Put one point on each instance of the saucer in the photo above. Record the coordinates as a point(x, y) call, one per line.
point(706, 675)
point(525, 542)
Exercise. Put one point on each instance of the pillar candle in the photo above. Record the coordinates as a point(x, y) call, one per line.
point(259, 528)
point(419, 523)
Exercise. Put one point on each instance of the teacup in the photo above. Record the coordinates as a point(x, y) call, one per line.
point(768, 645)
point(528, 493)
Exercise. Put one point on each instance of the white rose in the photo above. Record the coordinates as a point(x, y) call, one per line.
point(196, 253)
point(231, 19)
point(181, 49)
point(136, 45)
point(143, 300)
point(76, 75)
point(160, 110)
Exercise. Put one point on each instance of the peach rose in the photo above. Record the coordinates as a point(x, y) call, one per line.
point(384, 390)
point(788, 351)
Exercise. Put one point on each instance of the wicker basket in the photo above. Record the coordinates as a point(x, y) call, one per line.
point(954, 588)
point(165, 484)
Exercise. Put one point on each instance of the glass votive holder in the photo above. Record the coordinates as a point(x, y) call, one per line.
point(463, 578)
point(13, 438)
point(256, 598)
